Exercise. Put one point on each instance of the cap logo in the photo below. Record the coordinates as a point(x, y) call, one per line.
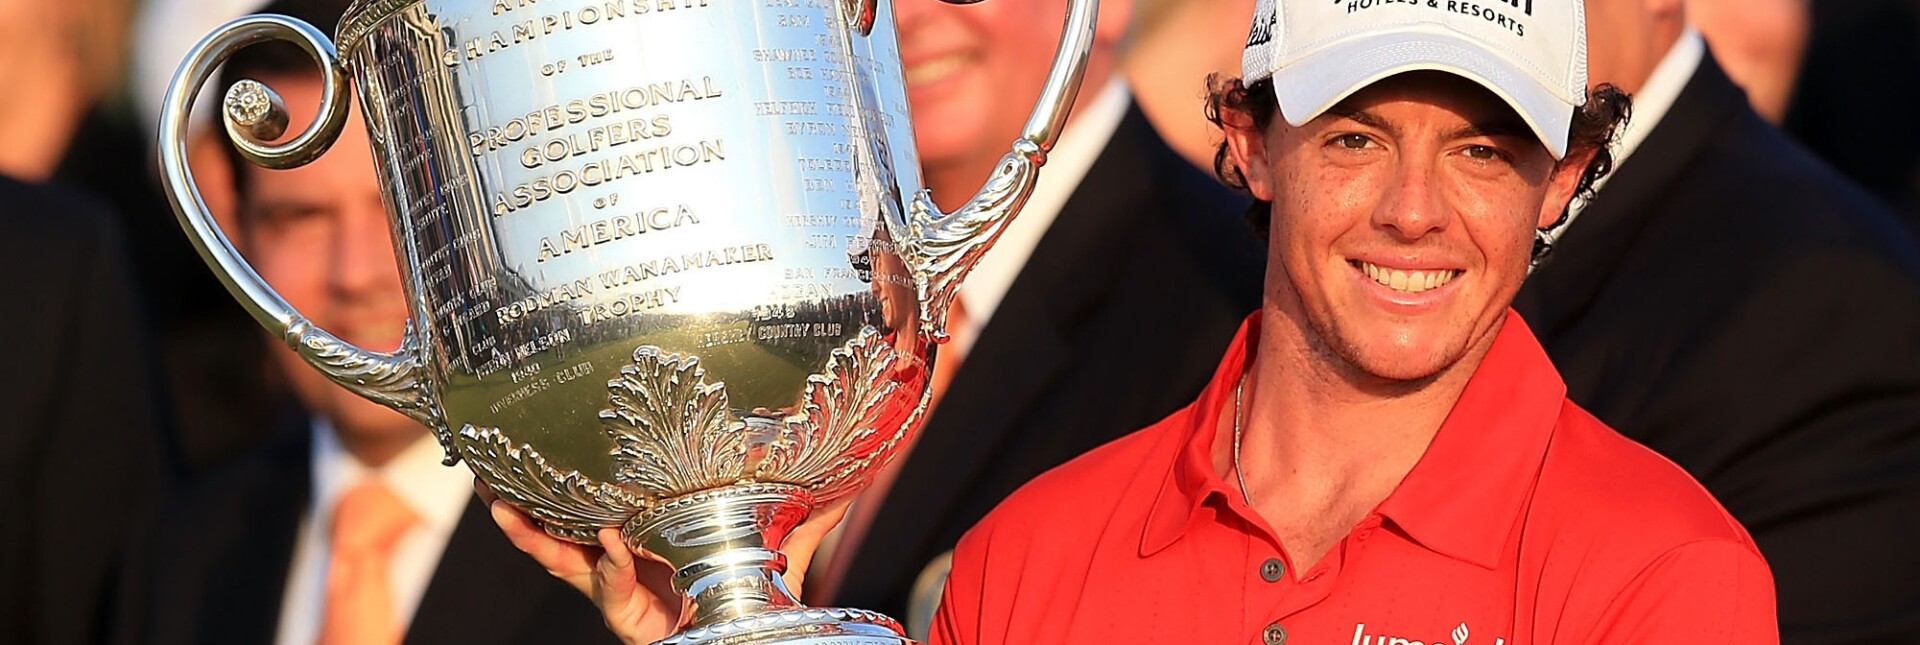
point(1488, 10)
point(1515, 3)
point(1262, 32)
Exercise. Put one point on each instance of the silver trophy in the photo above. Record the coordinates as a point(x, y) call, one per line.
point(670, 263)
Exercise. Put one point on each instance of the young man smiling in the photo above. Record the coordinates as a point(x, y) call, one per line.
point(1385, 454)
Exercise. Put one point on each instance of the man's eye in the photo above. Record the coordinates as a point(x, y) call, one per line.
point(1352, 141)
point(285, 216)
point(1482, 153)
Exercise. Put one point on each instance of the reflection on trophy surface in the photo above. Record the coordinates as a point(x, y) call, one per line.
point(670, 265)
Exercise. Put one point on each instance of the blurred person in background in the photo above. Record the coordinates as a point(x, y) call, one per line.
point(1172, 48)
point(1738, 306)
point(1759, 43)
point(216, 394)
point(343, 527)
point(163, 32)
point(60, 58)
point(222, 395)
point(81, 455)
point(1850, 105)
point(81, 446)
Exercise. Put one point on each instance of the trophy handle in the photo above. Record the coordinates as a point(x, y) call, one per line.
point(253, 116)
point(941, 248)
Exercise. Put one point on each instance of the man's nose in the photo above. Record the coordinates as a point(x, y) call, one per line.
point(363, 254)
point(1413, 207)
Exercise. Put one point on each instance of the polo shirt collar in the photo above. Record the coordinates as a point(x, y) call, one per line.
point(1459, 500)
point(1192, 478)
point(1462, 497)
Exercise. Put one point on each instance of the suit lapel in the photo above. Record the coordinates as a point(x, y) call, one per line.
point(1555, 296)
point(483, 592)
point(247, 575)
point(1022, 352)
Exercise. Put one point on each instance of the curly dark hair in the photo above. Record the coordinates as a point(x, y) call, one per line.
point(1595, 127)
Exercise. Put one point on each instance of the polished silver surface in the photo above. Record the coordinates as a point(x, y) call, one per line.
point(671, 266)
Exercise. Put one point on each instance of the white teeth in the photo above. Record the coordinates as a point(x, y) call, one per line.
point(935, 69)
point(1408, 281)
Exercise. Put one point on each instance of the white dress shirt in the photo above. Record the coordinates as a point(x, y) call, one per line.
point(1650, 105)
point(1080, 144)
point(435, 493)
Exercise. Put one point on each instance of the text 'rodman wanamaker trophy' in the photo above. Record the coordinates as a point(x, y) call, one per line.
point(670, 264)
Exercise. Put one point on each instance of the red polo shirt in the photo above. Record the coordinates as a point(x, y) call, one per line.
point(1526, 521)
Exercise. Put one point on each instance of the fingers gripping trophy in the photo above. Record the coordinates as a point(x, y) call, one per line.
point(670, 264)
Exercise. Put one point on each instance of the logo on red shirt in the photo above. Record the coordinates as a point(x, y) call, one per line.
point(1460, 635)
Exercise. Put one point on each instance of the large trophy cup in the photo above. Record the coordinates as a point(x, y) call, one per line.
point(670, 265)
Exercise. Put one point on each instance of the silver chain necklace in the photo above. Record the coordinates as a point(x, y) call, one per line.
point(1238, 473)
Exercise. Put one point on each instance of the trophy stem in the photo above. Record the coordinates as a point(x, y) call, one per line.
point(724, 545)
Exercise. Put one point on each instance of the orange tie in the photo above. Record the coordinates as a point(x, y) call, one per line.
point(367, 522)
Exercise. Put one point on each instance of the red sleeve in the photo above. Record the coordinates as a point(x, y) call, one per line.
point(946, 623)
point(957, 619)
point(1715, 591)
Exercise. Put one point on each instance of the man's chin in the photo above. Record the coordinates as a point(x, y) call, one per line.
point(1403, 364)
point(1403, 372)
point(351, 414)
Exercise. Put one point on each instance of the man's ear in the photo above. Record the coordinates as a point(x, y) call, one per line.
point(1247, 151)
point(1563, 184)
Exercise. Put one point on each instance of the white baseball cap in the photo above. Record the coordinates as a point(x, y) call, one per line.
point(1530, 53)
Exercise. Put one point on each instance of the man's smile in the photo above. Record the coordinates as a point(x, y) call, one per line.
point(1406, 280)
point(934, 69)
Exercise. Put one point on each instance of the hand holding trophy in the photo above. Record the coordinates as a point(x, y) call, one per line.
point(670, 265)
point(633, 592)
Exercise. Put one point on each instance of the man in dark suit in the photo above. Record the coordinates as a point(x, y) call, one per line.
point(345, 528)
point(1099, 312)
point(218, 570)
point(1742, 309)
point(80, 456)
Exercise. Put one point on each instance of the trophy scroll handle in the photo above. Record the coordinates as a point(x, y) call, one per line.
point(940, 248)
point(254, 115)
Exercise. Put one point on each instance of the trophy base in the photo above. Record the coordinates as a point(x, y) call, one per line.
point(724, 545)
point(806, 626)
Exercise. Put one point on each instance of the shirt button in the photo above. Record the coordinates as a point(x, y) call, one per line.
point(1274, 634)
point(1271, 569)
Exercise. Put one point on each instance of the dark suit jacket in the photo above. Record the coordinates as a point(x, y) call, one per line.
point(1851, 104)
point(1739, 307)
point(80, 453)
point(213, 571)
point(1117, 319)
